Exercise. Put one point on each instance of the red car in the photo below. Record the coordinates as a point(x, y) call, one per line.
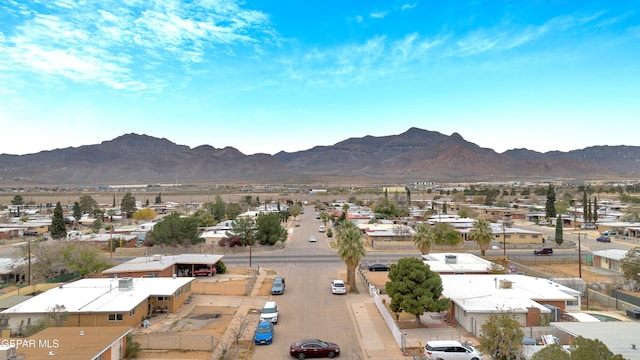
point(204, 272)
point(313, 348)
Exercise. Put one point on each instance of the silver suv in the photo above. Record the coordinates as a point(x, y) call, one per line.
point(450, 350)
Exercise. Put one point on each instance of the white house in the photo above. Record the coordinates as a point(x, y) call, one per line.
point(476, 297)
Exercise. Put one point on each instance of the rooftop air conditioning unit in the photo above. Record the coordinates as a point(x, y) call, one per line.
point(505, 284)
point(450, 259)
point(157, 257)
point(125, 284)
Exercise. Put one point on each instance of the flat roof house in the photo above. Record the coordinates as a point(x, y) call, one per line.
point(102, 302)
point(476, 297)
point(164, 266)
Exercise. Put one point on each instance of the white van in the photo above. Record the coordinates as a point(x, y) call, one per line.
point(73, 235)
point(450, 350)
point(321, 228)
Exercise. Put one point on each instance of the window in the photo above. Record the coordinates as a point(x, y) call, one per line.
point(132, 312)
point(115, 317)
point(163, 298)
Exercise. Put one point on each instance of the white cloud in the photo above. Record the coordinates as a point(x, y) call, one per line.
point(378, 14)
point(108, 43)
point(408, 6)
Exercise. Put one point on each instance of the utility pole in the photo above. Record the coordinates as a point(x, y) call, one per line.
point(29, 264)
point(579, 257)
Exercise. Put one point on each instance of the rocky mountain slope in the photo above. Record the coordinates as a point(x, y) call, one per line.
point(415, 155)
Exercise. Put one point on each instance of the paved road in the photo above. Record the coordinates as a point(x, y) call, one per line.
point(307, 308)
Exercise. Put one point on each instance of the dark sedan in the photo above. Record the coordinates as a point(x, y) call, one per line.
point(379, 267)
point(604, 239)
point(313, 348)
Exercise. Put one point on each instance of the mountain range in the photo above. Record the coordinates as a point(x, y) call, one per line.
point(415, 155)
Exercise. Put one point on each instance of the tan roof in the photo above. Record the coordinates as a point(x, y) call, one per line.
point(67, 342)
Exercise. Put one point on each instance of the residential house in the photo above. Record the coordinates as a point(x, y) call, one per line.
point(164, 266)
point(476, 297)
point(74, 343)
point(609, 259)
point(457, 263)
point(101, 302)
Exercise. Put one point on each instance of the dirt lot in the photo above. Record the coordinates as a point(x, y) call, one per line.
point(202, 319)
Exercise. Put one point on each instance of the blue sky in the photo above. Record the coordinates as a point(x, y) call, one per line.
point(270, 75)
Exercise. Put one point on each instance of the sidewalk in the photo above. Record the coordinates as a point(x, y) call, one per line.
point(376, 340)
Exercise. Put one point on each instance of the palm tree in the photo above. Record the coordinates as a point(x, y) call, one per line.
point(482, 234)
point(350, 249)
point(423, 238)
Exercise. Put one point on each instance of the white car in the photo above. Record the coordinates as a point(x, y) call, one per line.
point(312, 238)
point(338, 287)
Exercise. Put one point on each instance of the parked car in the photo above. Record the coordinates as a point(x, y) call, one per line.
point(270, 312)
point(379, 267)
point(278, 286)
point(543, 223)
point(264, 333)
point(543, 251)
point(313, 348)
point(338, 287)
point(312, 238)
point(204, 272)
point(589, 226)
point(604, 239)
point(450, 350)
point(609, 233)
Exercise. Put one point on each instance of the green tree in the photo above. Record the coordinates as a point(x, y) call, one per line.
point(204, 218)
point(128, 205)
point(17, 200)
point(350, 249)
point(415, 289)
point(295, 210)
point(562, 207)
point(587, 349)
point(595, 209)
point(502, 337)
point(175, 230)
point(445, 234)
point(87, 203)
point(132, 348)
point(385, 208)
point(552, 352)
point(550, 205)
point(243, 227)
point(77, 211)
point(233, 210)
point(630, 264)
point(482, 234)
point(584, 207)
point(58, 229)
point(158, 199)
point(467, 212)
point(324, 217)
point(84, 259)
point(218, 209)
point(589, 214)
point(268, 229)
point(423, 238)
point(631, 214)
point(559, 231)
